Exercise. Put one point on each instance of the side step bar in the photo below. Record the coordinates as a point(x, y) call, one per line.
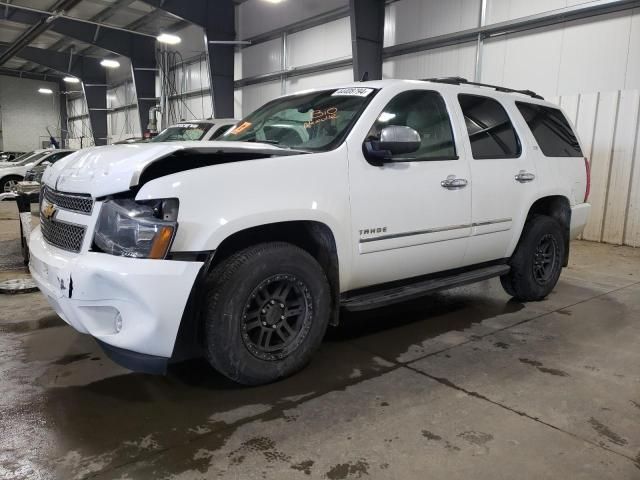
point(389, 296)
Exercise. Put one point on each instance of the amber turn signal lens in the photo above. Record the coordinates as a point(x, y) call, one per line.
point(161, 243)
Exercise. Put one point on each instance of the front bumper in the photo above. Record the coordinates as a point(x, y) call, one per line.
point(131, 304)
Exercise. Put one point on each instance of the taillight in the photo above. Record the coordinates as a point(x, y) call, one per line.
point(588, 189)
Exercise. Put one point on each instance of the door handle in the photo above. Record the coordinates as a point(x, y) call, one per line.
point(524, 177)
point(453, 183)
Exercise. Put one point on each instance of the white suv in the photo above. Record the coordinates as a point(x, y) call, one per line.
point(354, 197)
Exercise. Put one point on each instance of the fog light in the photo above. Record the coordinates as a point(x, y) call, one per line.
point(118, 323)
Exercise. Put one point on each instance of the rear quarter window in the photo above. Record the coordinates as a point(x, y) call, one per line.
point(551, 130)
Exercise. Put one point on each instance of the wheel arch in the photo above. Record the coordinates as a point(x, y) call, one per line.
point(315, 237)
point(557, 207)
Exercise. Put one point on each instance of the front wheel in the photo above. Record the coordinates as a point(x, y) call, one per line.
point(537, 262)
point(8, 184)
point(266, 312)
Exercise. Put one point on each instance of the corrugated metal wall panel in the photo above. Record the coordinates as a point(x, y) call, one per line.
point(457, 60)
point(569, 58)
point(262, 58)
point(608, 124)
point(408, 20)
point(319, 80)
point(318, 44)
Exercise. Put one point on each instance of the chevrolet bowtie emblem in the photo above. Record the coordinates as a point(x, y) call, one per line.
point(49, 211)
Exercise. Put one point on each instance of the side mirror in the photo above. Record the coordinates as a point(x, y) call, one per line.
point(46, 163)
point(394, 140)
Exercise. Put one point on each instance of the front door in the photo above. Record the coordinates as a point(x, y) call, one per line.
point(412, 216)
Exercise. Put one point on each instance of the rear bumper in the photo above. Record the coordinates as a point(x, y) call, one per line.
point(133, 305)
point(579, 217)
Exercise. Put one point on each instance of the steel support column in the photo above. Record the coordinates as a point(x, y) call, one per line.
point(64, 119)
point(218, 21)
point(88, 70)
point(367, 34)
point(140, 49)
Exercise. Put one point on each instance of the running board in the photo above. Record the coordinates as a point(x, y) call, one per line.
point(389, 296)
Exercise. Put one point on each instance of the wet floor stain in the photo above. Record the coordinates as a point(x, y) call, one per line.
point(476, 438)
point(23, 327)
point(430, 435)
point(69, 359)
point(502, 345)
point(348, 470)
point(304, 466)
point(543, 369)
point(635, 404)
point(606, 432)
point(262, 445)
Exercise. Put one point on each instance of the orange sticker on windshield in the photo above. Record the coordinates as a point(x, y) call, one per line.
point(240, 128)
point(321, 116)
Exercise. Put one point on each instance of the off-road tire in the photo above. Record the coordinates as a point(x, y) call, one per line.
point(524, 282)
point(241, 282)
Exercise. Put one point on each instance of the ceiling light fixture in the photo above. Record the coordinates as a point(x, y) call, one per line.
point(108, 63)
point(71, 80)
point(274, 1)
point(46, 91)
point(169, 39)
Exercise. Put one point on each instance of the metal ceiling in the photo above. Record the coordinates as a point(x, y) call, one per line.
point(129, 14)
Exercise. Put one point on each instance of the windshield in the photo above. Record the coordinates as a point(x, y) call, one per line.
point(317, 121)
point(183, 132)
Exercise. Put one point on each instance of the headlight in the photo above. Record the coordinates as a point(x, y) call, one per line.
point(137, 229)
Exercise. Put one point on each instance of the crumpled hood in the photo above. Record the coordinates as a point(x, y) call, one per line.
point(107, 170)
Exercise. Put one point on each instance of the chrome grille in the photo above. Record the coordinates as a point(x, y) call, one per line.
point(67, 201)
point(66, 236)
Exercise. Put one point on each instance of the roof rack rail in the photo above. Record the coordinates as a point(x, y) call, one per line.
point(497, 88)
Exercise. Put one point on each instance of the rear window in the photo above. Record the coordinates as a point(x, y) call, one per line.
point(490, 130)
point(551, 130)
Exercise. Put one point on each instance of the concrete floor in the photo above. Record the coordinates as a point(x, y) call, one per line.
point(462, 384)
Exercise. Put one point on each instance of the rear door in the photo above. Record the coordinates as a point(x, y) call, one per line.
point(503, 173)
point(559, 158)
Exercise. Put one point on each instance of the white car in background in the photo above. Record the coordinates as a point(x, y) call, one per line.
point(13, 172)
point(195, 130)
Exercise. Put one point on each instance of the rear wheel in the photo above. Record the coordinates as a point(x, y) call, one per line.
point(537, 262)
point(266, 312)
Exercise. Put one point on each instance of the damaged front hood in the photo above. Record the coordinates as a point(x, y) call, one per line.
point(107, 170)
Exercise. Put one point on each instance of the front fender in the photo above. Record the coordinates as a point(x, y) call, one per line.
point(220, 200)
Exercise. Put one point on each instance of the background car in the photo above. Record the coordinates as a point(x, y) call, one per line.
point(132, 140)
point(201, 130)
point(10, 156)
point(13, 172)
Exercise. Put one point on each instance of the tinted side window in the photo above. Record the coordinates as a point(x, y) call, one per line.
point(551, 130)
point(426, 113)
point(491, 132)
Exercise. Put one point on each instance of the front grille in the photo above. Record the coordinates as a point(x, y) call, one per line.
point(67, 201)
point(66, 236)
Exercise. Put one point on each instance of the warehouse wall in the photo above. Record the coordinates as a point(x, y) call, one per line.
point(596, 81)
point(609, 129)
point(123, 121)
point(79, 127)
point(26, 114)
